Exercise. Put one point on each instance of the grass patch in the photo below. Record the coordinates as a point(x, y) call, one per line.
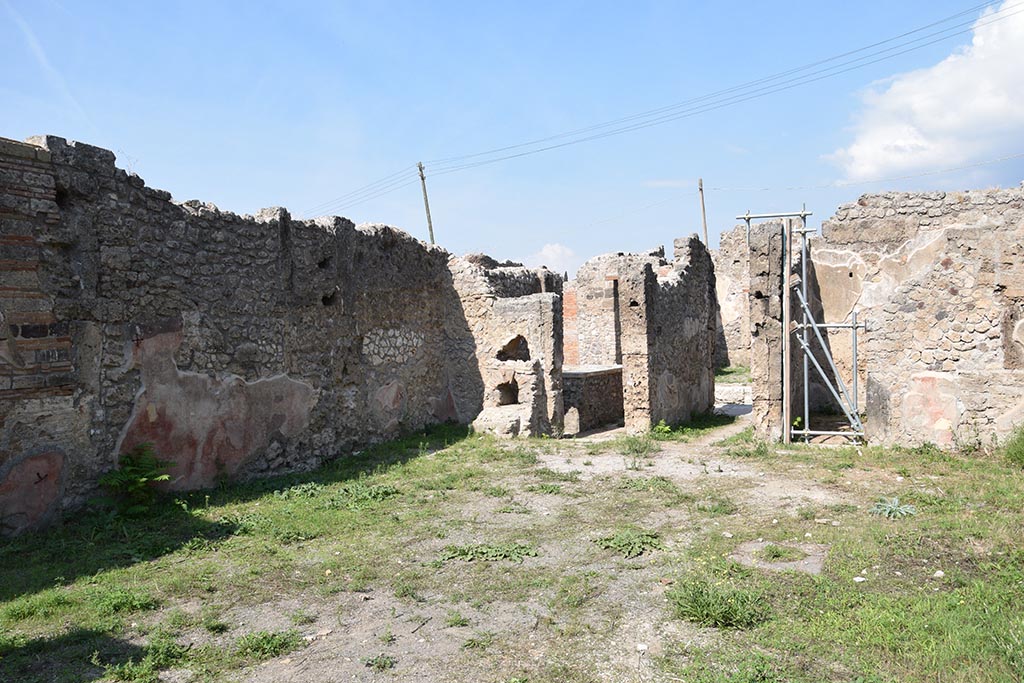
point(454, 619)
point(708, 603)
point(381, 662)
point(698, 425)
point(630, 543)
point(489, 552)
point(1013, 449)
point(717, 505)
point(782, 553)
point(734, 374)
point(372, 523)
point(263, 645)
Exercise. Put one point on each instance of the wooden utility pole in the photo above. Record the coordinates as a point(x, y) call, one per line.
point(426, 202)
point(703, 214)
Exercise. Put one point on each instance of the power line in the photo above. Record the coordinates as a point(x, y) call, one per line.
point(687, 108)
point(681, 195)
point(767, 79)
point(855, 183)
point(743, 97)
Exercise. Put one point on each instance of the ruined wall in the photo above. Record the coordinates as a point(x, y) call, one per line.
point(238, 345)
point(765, 301)
point(593, 397)
point(657, 319)
point(570, 333)
point(939, 279)
point(683, 317)
point(514, 317)
point(732, 283)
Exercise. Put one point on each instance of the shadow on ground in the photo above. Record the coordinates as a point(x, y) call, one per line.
point(65, 658)
point(100, 540)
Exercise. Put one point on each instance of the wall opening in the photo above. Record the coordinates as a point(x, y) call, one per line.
point(508, 393)
point(515, 349)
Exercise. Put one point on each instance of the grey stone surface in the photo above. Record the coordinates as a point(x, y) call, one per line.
point(237, 345)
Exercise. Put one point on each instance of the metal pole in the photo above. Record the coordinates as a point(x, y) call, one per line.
point(856, 396)
point(426, 202)
point(803, 278)
point(703, 213)
point(787, 267)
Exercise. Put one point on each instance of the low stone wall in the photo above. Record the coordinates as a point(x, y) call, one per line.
point(592, 396)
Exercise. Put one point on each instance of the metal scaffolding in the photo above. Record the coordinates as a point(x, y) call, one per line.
point(846, 398)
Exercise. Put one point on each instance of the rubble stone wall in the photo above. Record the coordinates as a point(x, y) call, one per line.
point(732, 282)
point(237, 345)
point(514, 317)
point(592, 396)
point(657, 319)
point(765, 300)
point(939, 280)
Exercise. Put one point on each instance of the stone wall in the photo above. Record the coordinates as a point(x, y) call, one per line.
point(939, 280)
point(657, 320)
point(592, 397)
point(732, 282)
point(765, 298)
point(514, 317)
point(237, 345)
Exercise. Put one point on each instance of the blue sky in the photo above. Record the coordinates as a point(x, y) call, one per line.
point(258, 104)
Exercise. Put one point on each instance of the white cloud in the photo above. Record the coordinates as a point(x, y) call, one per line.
point(968, 107)
point(556, 257)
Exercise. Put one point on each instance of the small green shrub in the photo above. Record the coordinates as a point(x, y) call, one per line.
point(890, 508)
point(711, 604)
point(358, 495)
point(631, 543)
point(717, 505)
point(132, 484)
point(489, 552)
point(381, 662)
point(454, 618)
point(481, 641)
point(263, 645)
point(550, 489)
point(117, 600)
point(661, 429)
point(1013, 449)
point(162, 652)
point(300, 491)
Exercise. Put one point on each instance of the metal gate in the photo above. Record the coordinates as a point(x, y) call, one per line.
point(805, 334)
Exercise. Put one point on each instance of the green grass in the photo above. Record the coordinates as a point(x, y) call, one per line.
point(735, 374)
point(1013, 449)
point(782, 553)
point(124, 598)
point(630, 542)
point(263, 645)
point(709, 603)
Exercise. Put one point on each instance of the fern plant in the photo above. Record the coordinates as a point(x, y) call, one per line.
point(132, 484)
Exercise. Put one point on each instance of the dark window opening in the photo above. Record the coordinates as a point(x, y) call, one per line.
point(508, 393)
point(516, 349)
